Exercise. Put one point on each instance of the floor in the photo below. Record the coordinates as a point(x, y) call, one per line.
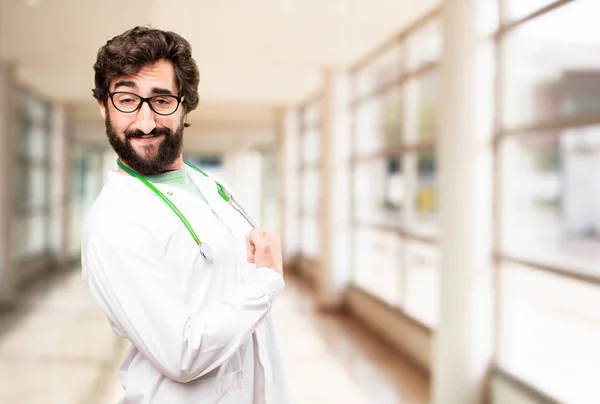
point(58, 349)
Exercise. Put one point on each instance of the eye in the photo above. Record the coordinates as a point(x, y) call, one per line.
point(126, 99)
point(162, 101)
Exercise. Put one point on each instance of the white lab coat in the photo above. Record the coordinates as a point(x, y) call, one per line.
point(200, 333)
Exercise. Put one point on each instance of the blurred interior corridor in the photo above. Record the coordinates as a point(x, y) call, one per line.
point(432, 167)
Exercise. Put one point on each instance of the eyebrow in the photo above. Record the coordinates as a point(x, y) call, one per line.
point(125, 83)
point(132, 85)
point(161, 91)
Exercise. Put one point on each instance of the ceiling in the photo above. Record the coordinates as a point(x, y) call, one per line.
point(267, 52)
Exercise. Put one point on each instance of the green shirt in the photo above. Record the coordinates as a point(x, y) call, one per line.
point(177, 178)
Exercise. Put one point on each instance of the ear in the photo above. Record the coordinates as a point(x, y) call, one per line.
point(102, 107)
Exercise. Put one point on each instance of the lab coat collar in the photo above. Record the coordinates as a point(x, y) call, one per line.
point(207, 186)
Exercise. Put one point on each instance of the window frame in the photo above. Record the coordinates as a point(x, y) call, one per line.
point(501, 134)
point(408, 75)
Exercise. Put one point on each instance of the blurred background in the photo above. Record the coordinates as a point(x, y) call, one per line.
point(433, 168)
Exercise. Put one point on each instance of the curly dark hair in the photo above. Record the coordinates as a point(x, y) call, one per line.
point(127, 53)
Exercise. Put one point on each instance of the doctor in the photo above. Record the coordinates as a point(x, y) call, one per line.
point(168, 254)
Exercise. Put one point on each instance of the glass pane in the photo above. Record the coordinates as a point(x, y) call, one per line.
point(23, 139)
point(310, 191)
point(550, 72)
point(311, 147)
point(37, 227)
point(377, 263)
point(379, 191)
point(425, 46)
point(367, 123)
point(549, 333)
point(423, 218)
point(312, 114)
point(384, 69)
point(427, 93)
point(21, 186)
point(422, 278)
point(515, 9)
point(37, 110)
point(31, 183)
point(551, 198)
point(38, 187)
point(37, 143)
point(309, 237)
point(379, 123)
point(392, 124)
point(487, 16)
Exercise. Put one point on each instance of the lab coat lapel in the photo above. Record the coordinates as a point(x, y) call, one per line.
point(208, 187)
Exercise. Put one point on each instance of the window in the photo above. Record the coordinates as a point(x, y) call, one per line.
point(551, 204)
point(31, 224)
point(516, 9)
point(269, 204)
point(384, 69)
point(378, 262)
point(394, 181)
point(549, 332)
point(549, 197)
point(422, 219)
point(86, 182)
point(425, 45)
point(310, 179)
point(553, 73)
point(378, 191)
point(422, 263)
point(426, 94)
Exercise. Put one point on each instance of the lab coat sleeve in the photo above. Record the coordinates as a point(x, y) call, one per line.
point(132, 285)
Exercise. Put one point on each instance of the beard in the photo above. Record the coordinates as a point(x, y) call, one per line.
point(155, 161)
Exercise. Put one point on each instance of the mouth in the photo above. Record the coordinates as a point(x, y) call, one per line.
point(150, 136)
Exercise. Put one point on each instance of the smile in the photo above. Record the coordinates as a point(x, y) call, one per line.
point(150, 136)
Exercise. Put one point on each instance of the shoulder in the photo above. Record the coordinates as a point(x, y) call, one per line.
point(116, 214)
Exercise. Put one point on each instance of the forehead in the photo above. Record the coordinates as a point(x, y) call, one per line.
point(160, 74)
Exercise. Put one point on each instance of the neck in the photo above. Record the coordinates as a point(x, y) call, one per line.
point(178, 164)
point(175, 165)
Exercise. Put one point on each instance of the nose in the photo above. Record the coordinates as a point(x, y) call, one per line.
point(145, 119)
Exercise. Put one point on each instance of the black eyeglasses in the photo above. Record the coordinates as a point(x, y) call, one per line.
point(130, 102)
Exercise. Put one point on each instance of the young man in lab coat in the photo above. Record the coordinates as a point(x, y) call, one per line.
point(178, 271)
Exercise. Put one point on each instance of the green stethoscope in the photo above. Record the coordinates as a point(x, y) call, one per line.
point(205, 249)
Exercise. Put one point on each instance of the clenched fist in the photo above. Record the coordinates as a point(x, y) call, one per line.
point(264, 249)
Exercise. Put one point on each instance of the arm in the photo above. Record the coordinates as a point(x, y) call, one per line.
point(131, 284)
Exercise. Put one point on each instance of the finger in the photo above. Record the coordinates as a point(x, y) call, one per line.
point(250, 254)
point(256, 234)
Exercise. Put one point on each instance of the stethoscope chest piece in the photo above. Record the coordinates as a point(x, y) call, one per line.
point(206, 252)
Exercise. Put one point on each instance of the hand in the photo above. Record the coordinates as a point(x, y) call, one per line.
point(264, 249)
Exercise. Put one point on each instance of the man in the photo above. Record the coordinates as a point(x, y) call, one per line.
point(178, 271)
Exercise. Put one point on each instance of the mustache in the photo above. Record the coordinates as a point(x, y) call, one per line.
point(154, 132)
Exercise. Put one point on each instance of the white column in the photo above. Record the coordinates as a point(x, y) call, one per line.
point(335, 228)
point(463, 340)
point(291, 146)
point(280, 165)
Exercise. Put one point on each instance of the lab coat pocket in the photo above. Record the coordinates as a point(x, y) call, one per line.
point(227, 389)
